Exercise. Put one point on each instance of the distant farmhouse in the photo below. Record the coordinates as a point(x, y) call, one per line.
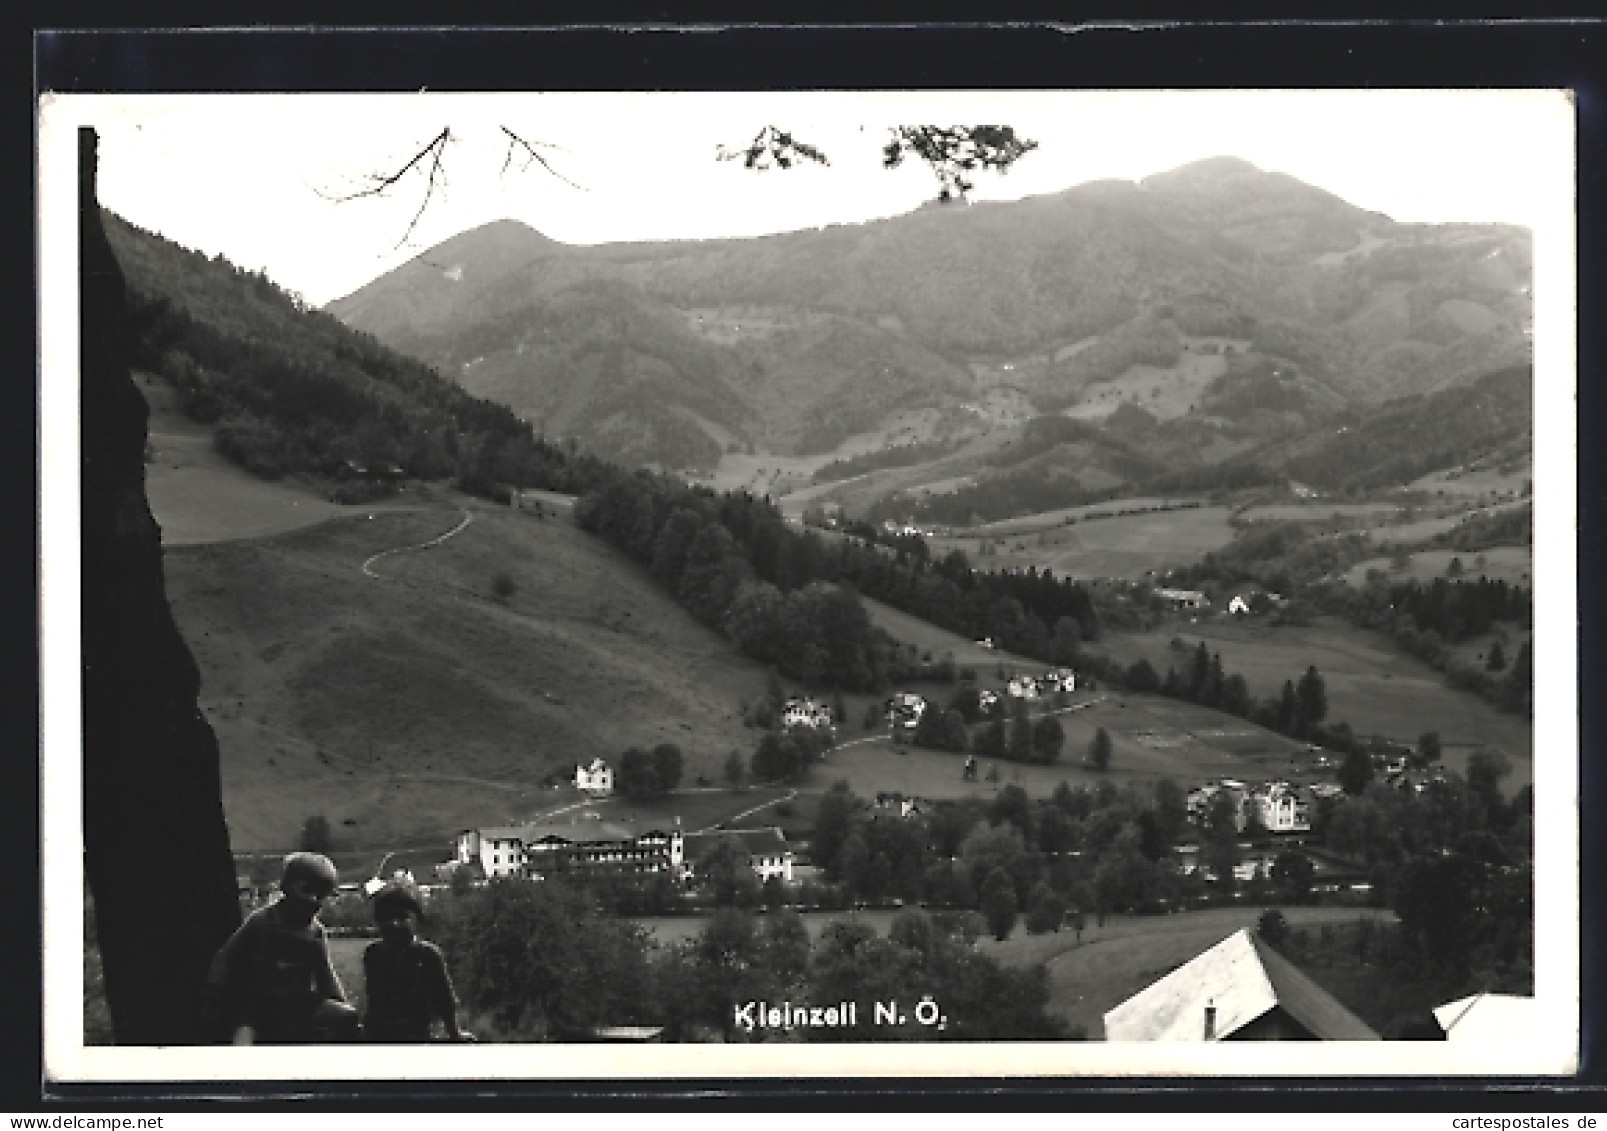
point(1031, 687)
point(906, 806)
point(1184, 598)
point(767, 851)
point(1239, 990)
point(905, 710)
point(1254, 601)
point(587, 845)
point(806, 713)
point(1022, 687)
point(596, 778)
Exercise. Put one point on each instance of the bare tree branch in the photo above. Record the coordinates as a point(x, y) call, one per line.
point(516, 143)
point(378, 184)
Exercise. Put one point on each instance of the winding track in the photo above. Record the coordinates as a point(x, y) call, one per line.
point(467, 518)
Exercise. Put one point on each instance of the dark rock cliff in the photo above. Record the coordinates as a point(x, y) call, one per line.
point(156, 847)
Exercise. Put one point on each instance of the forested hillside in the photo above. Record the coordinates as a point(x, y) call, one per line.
point(292, 391)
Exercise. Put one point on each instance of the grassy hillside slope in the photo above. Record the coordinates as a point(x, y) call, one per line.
point(408, 706)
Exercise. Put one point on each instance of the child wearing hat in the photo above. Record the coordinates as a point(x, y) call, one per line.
point(408, 988)
point(273, 982)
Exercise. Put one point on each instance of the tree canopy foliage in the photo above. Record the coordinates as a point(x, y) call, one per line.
point(290, 390)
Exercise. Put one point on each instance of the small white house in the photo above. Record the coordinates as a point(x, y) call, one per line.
point(905, 710)
point(1239, 607)
point(1022, 687)
point(987, 699)
point(596, 778)
point(806, 713)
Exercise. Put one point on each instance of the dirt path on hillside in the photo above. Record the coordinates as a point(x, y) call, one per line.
point(368, 565)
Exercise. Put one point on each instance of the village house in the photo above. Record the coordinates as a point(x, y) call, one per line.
point(987, 699)
point(497, 850)
point(1281, 809)
point(906, 806)
point(766, 849)
point(585, 844)
point(905, 709)
point(1239, 606)
point(1199, 801)
point(596, 778)
point(1061, 679)
point(1239, 990)
point(806, 713)
point(1184, 598)
point(1022, 687)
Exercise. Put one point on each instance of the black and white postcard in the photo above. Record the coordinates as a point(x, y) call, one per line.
point(576, 585)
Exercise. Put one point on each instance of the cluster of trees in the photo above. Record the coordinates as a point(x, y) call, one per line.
point(1081, 852)
point(1511, 527)
point(541, 961)
point(1299, 710)
point(644, 773)
point(1021, 738)
point(1425, 620)
point(1455, 861)
point(786, 755)
point(790, 597)
point(292, 391)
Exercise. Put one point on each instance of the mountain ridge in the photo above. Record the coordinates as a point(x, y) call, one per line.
point(1363, 307)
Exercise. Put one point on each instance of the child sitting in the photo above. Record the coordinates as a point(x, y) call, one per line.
point(272, 982)
point(407, 986)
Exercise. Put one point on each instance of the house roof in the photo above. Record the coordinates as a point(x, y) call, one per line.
point(586, 831)
point(580, 831)
point(1488, 1019)
point(1243, 979)
point(755, 842)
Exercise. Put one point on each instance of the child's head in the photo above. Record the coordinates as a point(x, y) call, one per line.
point(397, 910)
point(308, 879)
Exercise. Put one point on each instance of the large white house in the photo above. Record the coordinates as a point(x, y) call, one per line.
point(1281, 809)
point(583, 845)
point(595, 778)
point(498, 850)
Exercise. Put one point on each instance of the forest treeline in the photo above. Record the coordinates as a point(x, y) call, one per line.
point(790, 597)
point(290, 390)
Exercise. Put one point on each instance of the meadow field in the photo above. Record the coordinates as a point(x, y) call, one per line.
point(1165, 393)
point(1372, 685)
point(413, 703)
point(1126, 546)
point(1512, 564)
point(198, 496)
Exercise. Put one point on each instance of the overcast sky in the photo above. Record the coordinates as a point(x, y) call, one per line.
point(248, 176)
